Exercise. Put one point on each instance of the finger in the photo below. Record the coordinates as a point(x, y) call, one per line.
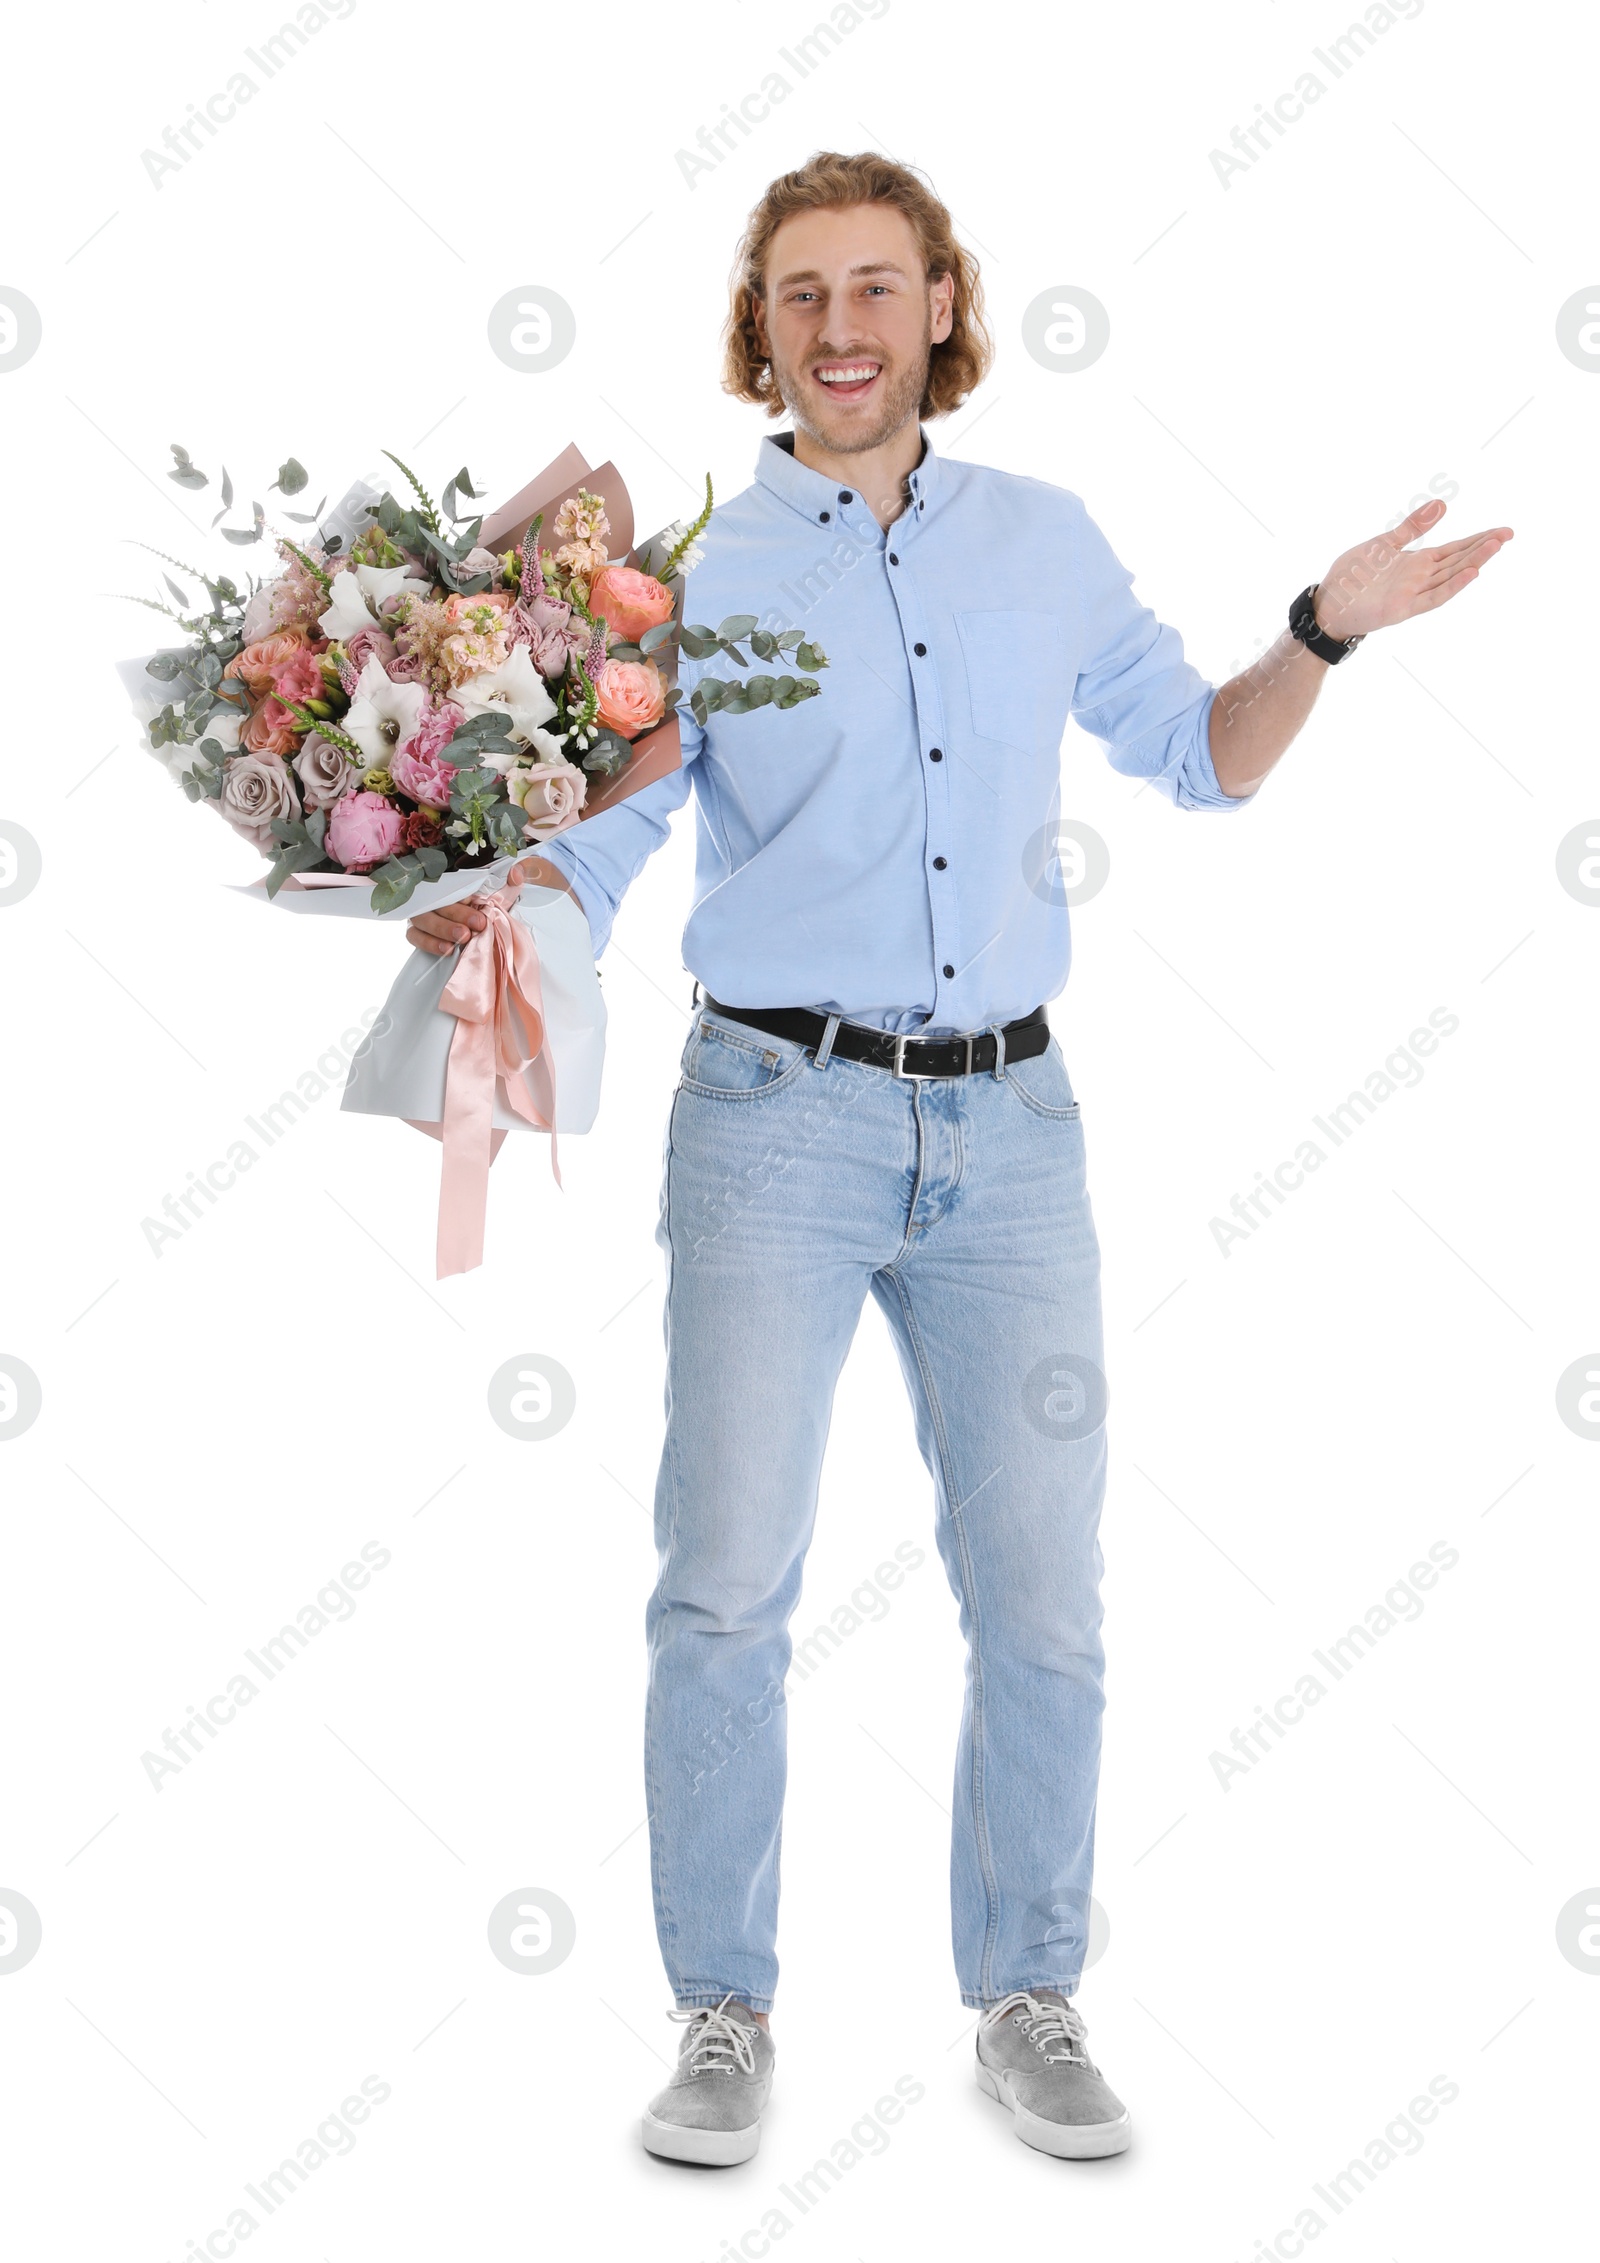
point(1423, 517)
point(1452, 588)
point(1495, 534)
point(1476, 553)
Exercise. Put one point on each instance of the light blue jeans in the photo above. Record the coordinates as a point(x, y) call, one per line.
point(791, 1192)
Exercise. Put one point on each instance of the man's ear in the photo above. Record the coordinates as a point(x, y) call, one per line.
point(941, 301)
point(758, 319)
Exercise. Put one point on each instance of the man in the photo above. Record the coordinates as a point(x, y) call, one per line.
point(871, 1102)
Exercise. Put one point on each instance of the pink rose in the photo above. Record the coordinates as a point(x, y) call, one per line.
point(630, 601)
point(551, 795)
point(371, 644)
point(363, 829)
point(547, 627)
point(632, 696)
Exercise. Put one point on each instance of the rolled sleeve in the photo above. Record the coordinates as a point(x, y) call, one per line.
point(601, 856)
point(1136, 693)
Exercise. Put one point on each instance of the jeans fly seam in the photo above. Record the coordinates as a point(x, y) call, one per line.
point(980, 1827)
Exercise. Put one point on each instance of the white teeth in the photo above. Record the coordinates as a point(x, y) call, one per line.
point(846, 376)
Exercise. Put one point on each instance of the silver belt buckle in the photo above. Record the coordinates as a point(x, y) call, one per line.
point(926, 1076)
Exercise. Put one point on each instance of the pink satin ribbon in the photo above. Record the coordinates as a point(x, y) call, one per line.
point(498, 1003)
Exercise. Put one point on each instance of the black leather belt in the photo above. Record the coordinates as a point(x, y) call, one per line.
point(907, 1056)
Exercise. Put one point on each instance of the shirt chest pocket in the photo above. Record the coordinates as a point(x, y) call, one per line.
point(1019, 685)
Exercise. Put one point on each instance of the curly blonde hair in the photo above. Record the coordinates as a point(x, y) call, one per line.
point(828, 182)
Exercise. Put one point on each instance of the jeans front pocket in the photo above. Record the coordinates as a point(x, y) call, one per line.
point(1043, 1085)
point(725, 1061)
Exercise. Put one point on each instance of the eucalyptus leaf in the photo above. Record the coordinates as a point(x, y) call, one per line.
point(292, 476)
point(654, 639)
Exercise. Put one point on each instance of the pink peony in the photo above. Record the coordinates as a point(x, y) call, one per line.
point(630, 601)
point(363, 829)
point(632, 696)
point(423, 776)
point(440, 723)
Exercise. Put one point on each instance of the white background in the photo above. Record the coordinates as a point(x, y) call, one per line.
point(1292, 1958)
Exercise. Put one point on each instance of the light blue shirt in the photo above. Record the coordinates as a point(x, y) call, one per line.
point(885, 851)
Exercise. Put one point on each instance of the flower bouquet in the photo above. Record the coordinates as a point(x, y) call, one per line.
point(414, 701)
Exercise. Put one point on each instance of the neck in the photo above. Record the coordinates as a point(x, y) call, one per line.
point(878, 475)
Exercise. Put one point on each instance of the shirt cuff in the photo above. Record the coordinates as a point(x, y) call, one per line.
point(1198, 786)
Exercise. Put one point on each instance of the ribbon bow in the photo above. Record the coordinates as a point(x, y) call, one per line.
point(496, 998)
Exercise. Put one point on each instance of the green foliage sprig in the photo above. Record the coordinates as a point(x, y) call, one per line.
point(736, 696)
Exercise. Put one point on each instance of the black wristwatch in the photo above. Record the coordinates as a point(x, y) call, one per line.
point(1303, 624)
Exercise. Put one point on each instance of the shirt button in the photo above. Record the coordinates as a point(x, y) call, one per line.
point(845, 495)
point(920, 650)
point(824, 517)
point(935, 754)
point(949, 974)
point(939, 863)
point(893, 560)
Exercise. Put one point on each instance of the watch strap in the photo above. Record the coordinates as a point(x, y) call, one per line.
point(1303, 626)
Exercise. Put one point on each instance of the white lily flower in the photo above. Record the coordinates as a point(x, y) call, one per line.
point(382, 714)
point(516, 687)
point(357, 593)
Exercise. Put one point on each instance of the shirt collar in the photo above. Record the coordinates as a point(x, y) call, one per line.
point(813, 493)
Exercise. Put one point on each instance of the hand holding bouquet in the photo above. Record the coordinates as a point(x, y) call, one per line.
point(411, 704)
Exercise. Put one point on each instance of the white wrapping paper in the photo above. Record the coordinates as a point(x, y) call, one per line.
point(399, 1069)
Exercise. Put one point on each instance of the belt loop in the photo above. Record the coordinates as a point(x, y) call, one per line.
point(825, 1049)
point(695, 1000)
point(999, 1053)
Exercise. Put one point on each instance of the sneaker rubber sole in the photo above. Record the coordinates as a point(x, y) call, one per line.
point(711, 2148)
point(1068, 2141)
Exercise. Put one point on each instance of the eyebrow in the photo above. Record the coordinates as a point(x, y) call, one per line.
point(814, 275)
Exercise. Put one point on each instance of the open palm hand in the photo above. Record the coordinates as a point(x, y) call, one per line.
point(1381, 582)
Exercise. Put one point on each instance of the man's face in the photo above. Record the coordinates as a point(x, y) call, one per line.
point(848, 319)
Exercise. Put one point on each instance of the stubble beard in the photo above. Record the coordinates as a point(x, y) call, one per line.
point(900, 404)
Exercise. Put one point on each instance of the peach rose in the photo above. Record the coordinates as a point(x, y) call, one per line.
point(256, 664)
point(632, 696)
point(270, 730)
point(631, 602)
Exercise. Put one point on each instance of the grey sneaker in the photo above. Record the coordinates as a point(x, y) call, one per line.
point(1031, 2058)
point(711, 2109)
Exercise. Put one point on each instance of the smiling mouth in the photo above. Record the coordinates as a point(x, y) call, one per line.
point(848, 380)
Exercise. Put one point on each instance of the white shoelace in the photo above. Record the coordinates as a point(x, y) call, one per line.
point(716, 2042)
point(1044, 2024)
